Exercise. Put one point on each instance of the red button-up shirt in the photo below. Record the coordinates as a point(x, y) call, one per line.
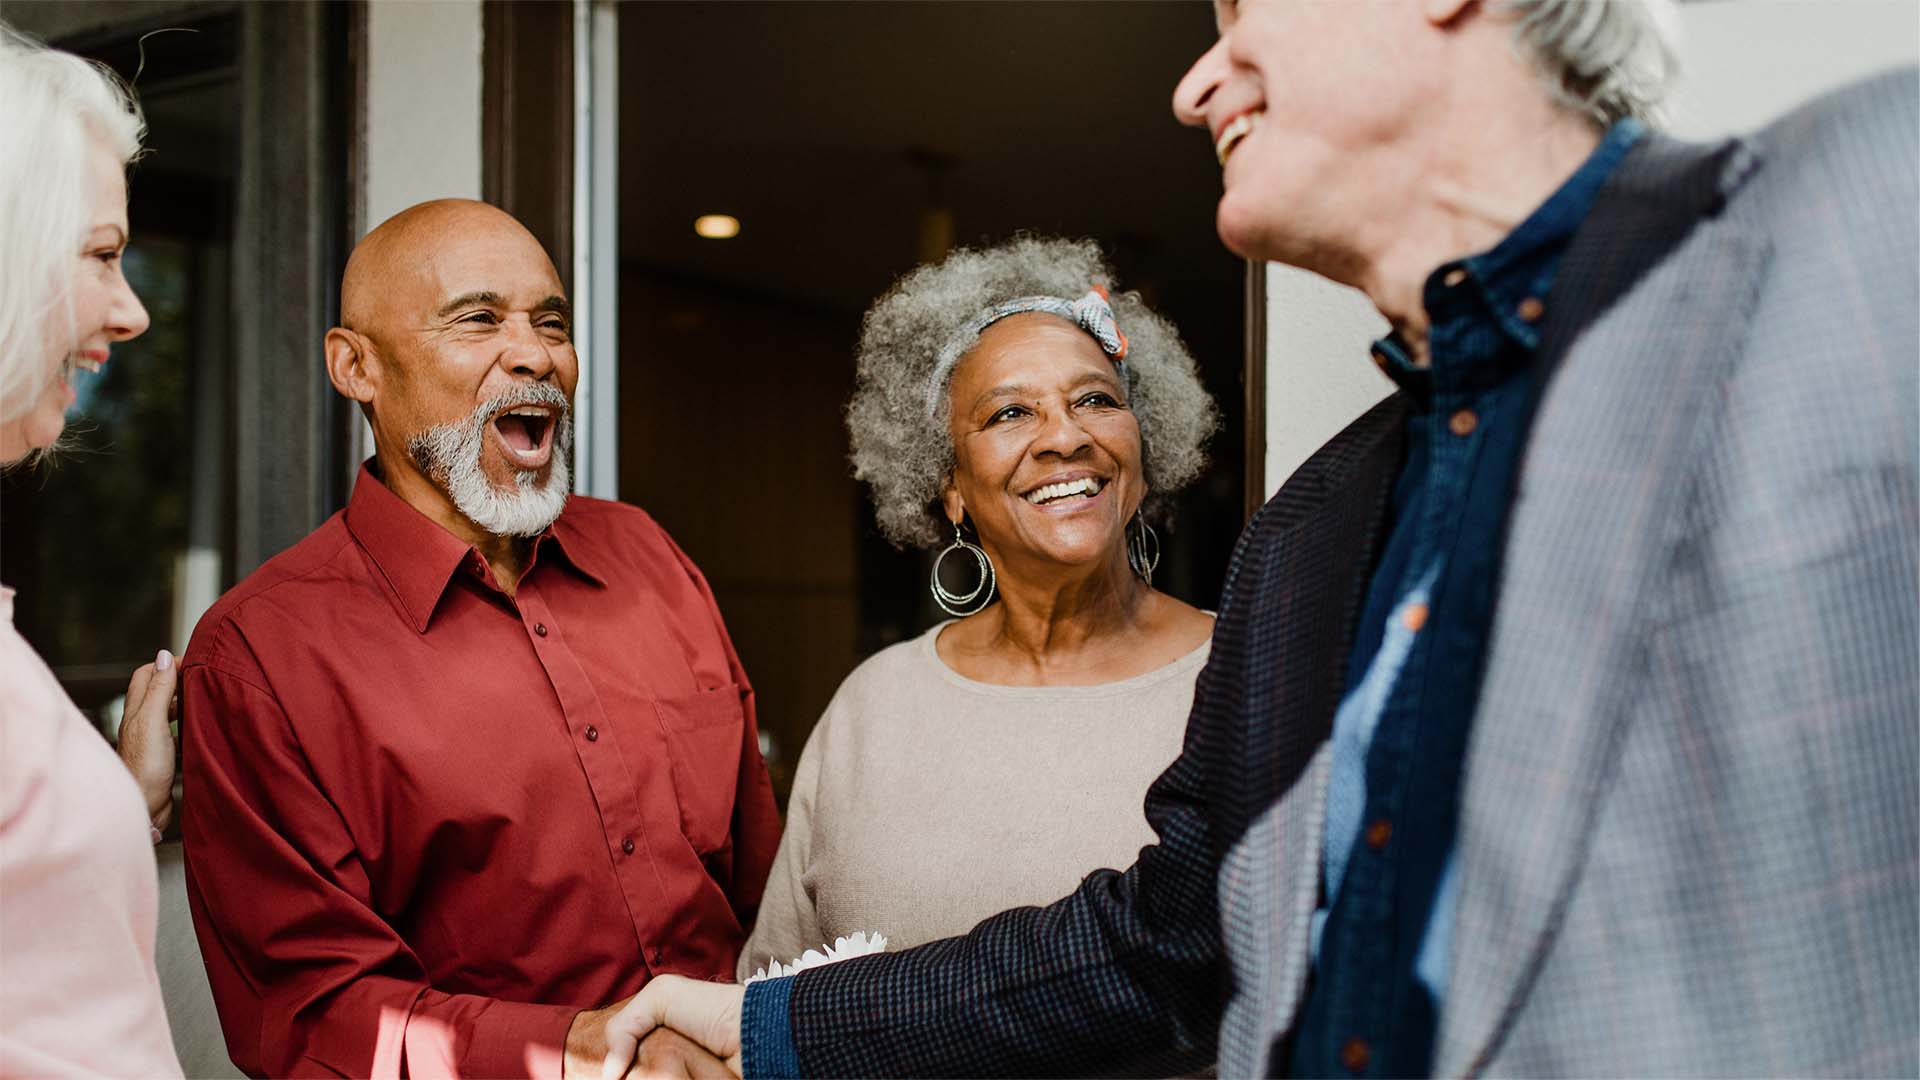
point(426, 823)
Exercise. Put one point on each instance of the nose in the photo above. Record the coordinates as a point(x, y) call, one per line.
point(1196, 88)
point(127, 318)
point(1061, 434)
point(526, 353)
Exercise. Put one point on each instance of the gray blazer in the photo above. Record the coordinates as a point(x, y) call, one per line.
point(1690, 832)
point(1688, 840)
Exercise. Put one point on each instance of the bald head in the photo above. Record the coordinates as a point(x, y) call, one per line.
point(431, 254)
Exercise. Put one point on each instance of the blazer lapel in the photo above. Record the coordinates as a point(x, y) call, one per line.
point(1645, 317)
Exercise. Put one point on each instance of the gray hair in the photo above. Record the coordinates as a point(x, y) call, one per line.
point(906, 457)
point(57, 108)
point(1606, 59)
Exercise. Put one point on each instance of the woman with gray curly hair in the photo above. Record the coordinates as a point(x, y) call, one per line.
point(1012, 410)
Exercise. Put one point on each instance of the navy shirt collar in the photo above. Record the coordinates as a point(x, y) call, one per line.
point(1521, 266)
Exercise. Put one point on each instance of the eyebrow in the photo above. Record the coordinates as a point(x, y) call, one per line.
point(120, 234)
point(467, 300)
point(1019, 391)
point(487, 298)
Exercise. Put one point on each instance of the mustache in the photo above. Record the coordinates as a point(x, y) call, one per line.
point(522, 394)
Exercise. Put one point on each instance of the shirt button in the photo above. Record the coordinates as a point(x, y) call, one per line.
point(1463, 422)
point(1530, 309)
point(593, 733)
point(659, 954)
point(1355, 1055)
point(1379, 833)
point(1454, 277)
point(1414, 617)
point(540, 628)
point(626, 845)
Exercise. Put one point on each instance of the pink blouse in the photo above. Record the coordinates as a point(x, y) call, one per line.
point(79, 994)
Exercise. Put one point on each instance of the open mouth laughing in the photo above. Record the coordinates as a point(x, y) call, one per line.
point(526, 433)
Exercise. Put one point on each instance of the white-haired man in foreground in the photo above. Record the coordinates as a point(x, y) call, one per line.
point(1560, 717)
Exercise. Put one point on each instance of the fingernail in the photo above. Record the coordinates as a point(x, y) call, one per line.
point(163, 660)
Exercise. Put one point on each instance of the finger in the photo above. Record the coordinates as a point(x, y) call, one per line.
point(669, 1054)
point(624, 1031)
point(704, 1066)
point(162, 677)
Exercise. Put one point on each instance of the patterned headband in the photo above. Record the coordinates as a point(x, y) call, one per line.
point(1091, 313)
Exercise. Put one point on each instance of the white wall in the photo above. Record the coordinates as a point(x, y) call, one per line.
point(423, 104)
point(1743, 62)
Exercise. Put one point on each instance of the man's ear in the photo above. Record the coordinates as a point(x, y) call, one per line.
point(352, 366)
point(1443, 12)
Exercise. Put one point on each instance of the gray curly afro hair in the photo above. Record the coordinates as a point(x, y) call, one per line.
point(907, 457)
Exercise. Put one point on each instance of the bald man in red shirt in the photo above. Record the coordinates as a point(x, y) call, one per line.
point(474, 761)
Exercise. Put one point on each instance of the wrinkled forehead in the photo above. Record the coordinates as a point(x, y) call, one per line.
point(409, 280)
point(506, 263)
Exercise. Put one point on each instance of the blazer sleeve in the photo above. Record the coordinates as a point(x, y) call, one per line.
point(308, 979)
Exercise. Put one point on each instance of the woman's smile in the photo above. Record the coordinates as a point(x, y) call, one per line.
point(1071, 495)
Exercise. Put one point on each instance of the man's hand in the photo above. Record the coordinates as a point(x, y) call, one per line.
point(708, 1013)
point(667, 1053)
point(587, 1042)
point(146, 743)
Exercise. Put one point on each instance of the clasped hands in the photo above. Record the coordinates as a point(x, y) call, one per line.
point(705, 1012)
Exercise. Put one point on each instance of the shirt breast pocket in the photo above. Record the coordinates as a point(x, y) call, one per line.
point(705, 734)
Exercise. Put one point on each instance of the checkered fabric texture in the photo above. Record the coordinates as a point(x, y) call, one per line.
point(1690, 834)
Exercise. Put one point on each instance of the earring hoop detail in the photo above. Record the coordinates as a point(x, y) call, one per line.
point(955, 604)
point(1143, 548)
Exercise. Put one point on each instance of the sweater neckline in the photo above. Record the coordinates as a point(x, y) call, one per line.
point(930, 655)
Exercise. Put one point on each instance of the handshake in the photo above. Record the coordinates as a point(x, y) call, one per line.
point(681, 1027)
point(641, 1038)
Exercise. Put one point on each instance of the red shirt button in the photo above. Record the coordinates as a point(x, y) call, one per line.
point(626, 845)
point(593, 733)
point(1355, 1055)
point(540, 628)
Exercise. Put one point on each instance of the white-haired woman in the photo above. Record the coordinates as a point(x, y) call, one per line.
point(1012, 410)
point(80, 996)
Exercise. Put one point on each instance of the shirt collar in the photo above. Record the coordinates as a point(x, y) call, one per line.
point(1522, 265)
point(418, 558)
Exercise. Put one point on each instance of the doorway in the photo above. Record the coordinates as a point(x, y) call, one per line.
point(851, 141)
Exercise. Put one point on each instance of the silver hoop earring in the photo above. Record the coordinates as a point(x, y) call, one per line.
point(1143, 548)
point(954, 603)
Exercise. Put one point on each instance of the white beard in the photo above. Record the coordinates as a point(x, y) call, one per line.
point(449, 455)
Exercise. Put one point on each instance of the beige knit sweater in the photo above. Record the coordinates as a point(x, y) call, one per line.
point(926, 801)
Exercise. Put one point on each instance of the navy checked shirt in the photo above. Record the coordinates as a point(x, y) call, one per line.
point(1400, 734)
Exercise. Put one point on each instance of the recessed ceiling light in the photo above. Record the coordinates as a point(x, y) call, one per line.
point(717, 226)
